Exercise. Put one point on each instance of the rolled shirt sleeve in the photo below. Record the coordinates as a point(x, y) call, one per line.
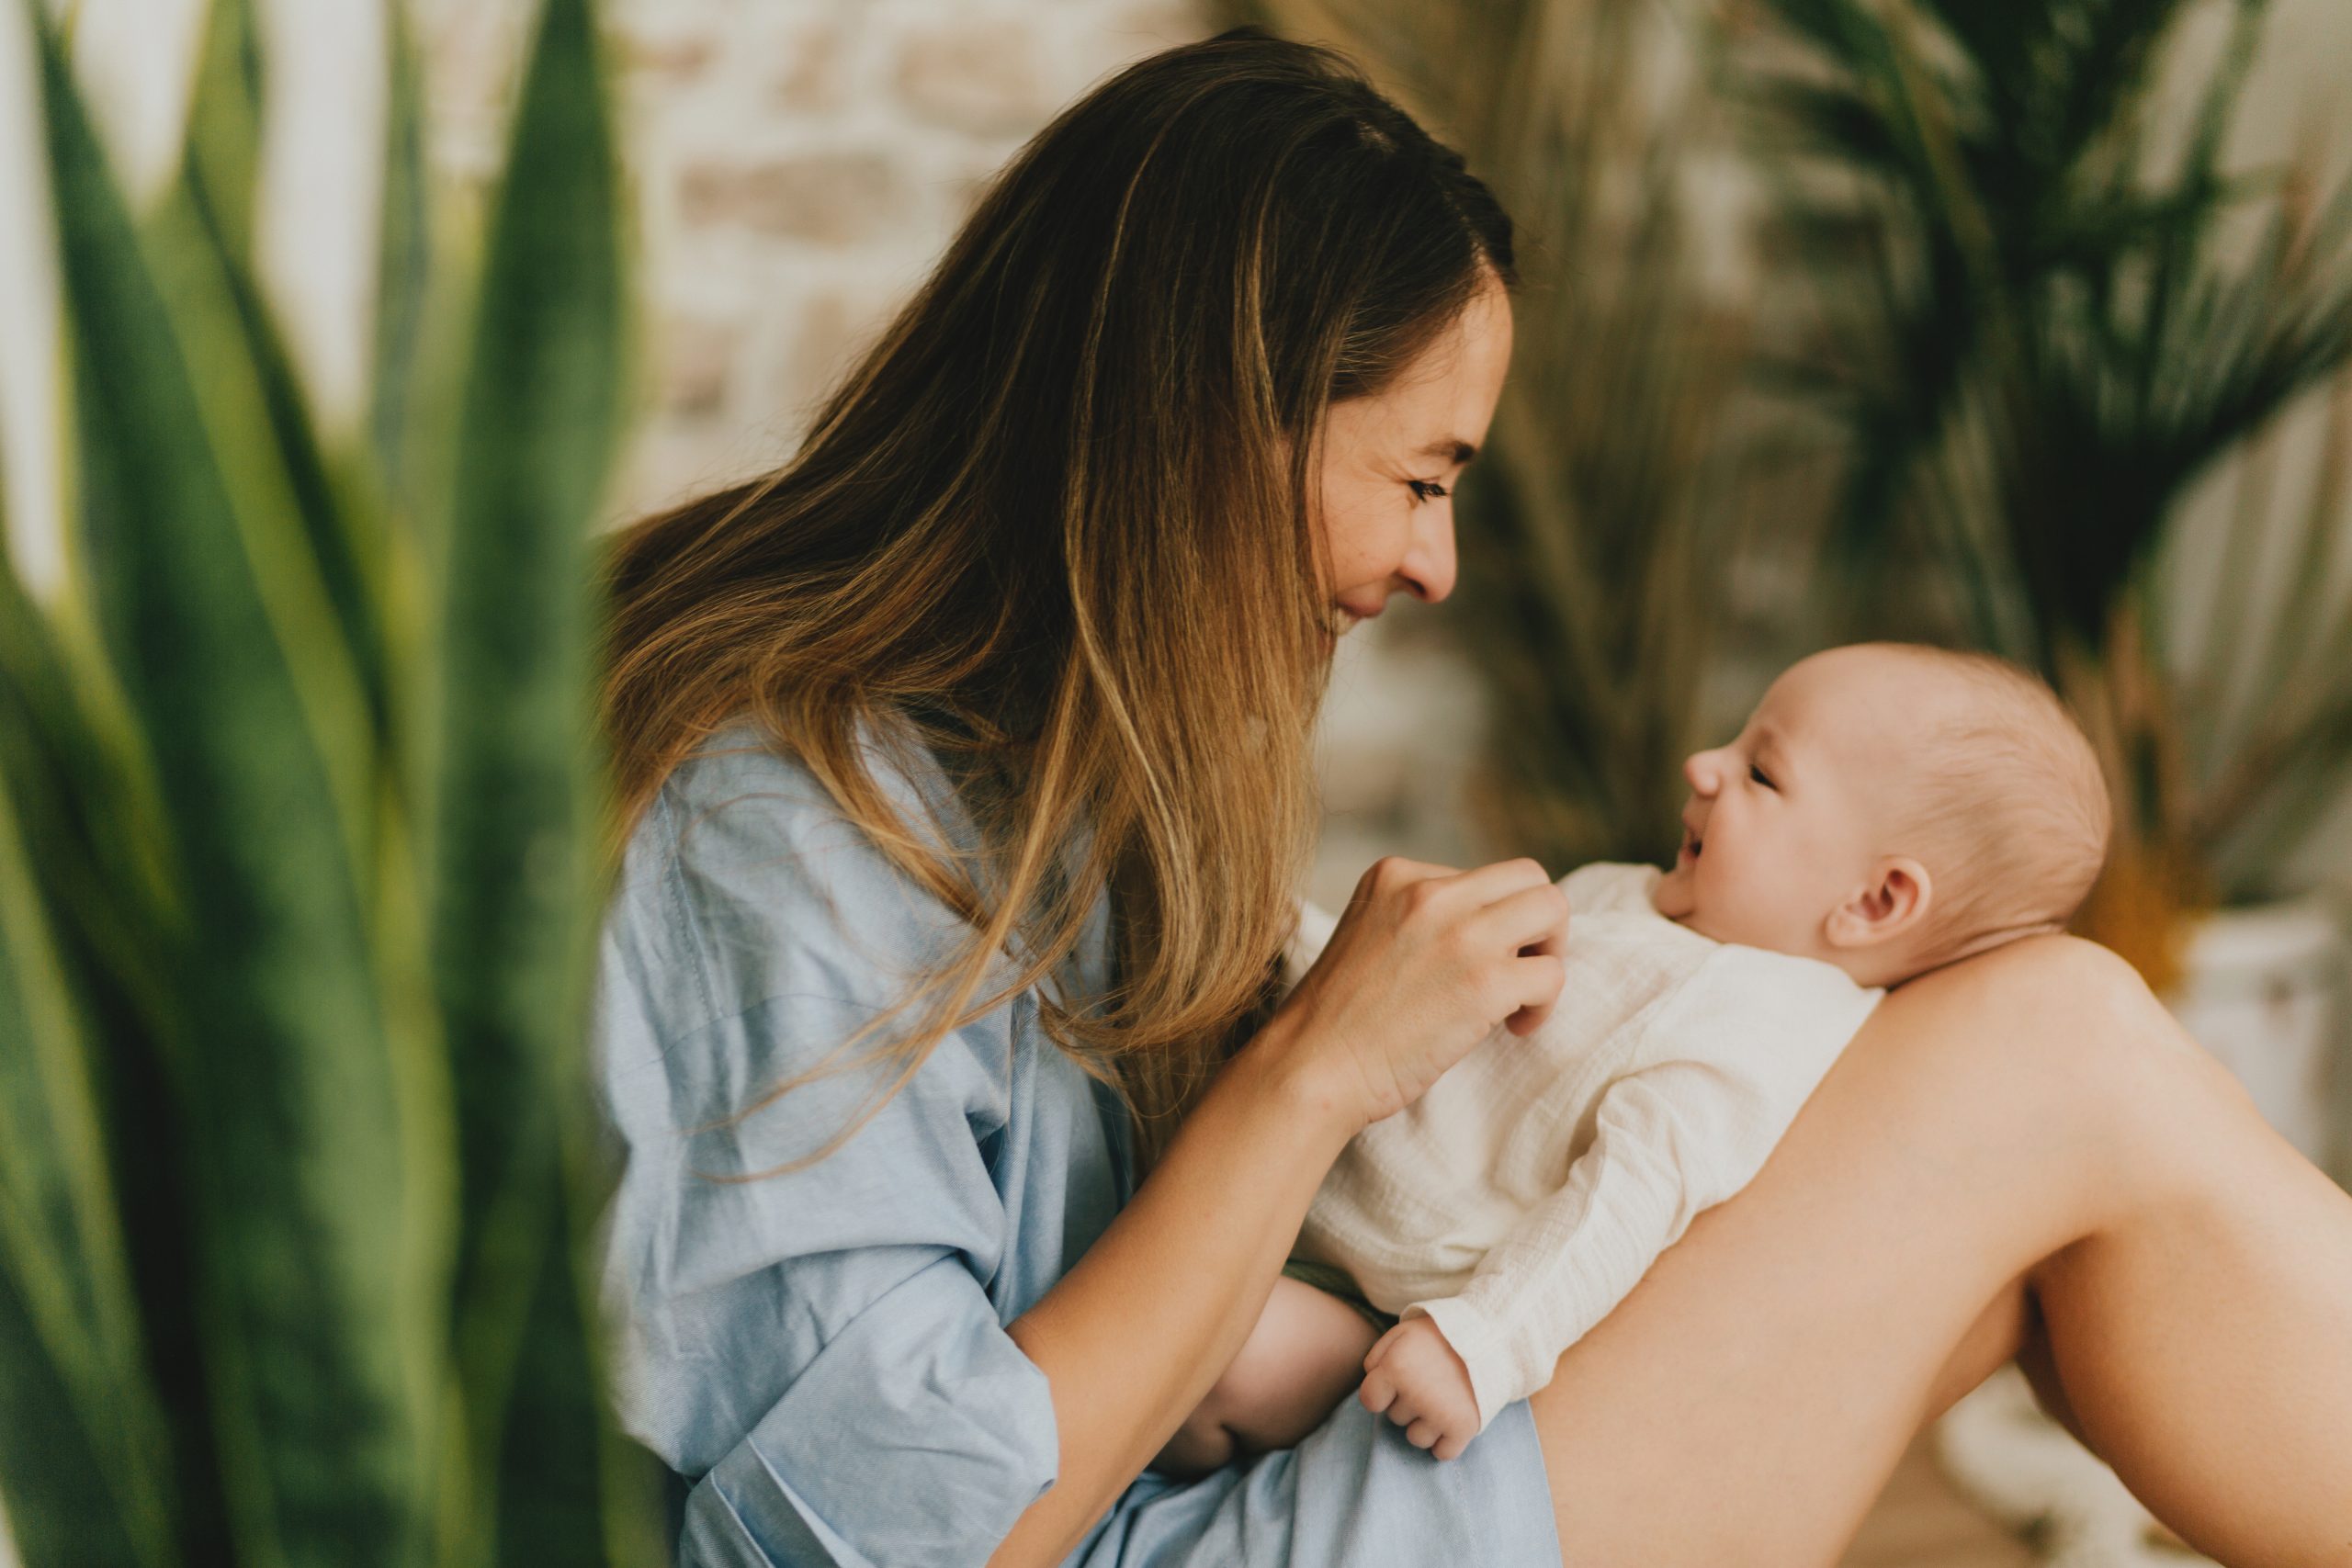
point(819, 1350)
point(918, 1434)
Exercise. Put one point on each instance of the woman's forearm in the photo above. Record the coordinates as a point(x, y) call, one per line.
point(1133, 1336)
point(1426, 962)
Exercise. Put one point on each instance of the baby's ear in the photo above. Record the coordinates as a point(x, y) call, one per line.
point(1891, 904)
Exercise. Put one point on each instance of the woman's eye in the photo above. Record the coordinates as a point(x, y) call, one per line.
point(1757, 774)
point(1425, 490)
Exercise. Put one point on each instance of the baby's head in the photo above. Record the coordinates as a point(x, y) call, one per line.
point(1889, 808)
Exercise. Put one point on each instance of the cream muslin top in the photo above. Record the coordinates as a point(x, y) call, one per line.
point(1520, 1200)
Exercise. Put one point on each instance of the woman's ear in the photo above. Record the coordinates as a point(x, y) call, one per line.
point(1894, 902)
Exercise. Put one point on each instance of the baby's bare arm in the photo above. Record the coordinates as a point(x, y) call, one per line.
point(1304, 1356)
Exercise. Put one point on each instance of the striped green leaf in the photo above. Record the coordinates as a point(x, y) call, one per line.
point(63, 1512)
point(541, 412)
point(224, 118)
point(313, 1222)
point(83, 1444)
point(403, 261)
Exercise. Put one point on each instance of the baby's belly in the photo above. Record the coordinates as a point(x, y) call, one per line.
point(1403, 1244)
point(1415, 1201)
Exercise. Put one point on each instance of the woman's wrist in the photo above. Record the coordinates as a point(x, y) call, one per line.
point(1276, 1068)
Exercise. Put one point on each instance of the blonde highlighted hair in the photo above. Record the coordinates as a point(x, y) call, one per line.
point(1056, 530)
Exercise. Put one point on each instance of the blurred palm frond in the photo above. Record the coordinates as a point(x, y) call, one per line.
point(2044, 311)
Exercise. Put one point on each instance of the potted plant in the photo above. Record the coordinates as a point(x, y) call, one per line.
point(298, 829)
point(2040, 318)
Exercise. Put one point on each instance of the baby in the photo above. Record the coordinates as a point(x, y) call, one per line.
point(1888, 808)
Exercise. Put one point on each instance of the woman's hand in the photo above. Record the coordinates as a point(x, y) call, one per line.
point(1426, 961)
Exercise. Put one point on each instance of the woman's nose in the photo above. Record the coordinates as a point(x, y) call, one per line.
point(1428, 566)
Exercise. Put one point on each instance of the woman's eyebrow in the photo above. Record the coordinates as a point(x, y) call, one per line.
point(1452, 447)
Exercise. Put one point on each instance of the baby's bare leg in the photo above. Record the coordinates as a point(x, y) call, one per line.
point(1305, 1356)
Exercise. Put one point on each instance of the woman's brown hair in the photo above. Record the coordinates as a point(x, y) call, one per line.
point(1056, 529)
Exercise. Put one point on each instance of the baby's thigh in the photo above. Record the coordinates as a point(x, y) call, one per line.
point(1304, 1355)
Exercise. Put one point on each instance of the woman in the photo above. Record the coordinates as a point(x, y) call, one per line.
point(966, 764)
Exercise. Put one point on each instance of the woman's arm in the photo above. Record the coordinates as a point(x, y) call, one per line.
point(1132, 1338)
point(1423, 966)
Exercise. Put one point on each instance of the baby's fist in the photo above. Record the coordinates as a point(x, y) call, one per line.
point(1414, 1378)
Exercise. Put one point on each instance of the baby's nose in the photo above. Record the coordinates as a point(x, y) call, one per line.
point(1700, 768)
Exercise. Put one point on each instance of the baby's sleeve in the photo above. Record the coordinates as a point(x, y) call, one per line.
point(1717, 1078)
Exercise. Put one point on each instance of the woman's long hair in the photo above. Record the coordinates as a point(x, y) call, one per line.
point(1056, 529)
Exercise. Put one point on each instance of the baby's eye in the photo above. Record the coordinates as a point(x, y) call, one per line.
point(1757, 774)
point(1425, 489)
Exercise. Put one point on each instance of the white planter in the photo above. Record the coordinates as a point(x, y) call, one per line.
point(2263, 989)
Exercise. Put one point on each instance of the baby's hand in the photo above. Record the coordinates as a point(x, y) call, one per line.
point(1414, 1377)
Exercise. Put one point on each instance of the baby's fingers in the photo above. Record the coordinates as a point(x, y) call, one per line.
point(1450, 1445)
point(1423, 1433)
point(1379, 1391)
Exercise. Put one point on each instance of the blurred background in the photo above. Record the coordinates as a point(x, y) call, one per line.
point(2014, 324)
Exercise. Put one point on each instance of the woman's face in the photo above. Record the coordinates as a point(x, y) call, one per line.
point(1390, 462)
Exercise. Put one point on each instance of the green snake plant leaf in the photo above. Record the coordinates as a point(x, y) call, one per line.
point(83, 1441)
point(513, 813)
point(403, 260)
point(66, 1513)
point(224, 120)
point(87, 860)
point(197, 237)
point(562, 1467)
point(315, 1205)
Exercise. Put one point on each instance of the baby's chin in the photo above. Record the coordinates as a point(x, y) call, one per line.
point(1673, 895)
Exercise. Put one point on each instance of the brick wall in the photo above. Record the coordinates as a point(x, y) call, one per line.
point(799, 167)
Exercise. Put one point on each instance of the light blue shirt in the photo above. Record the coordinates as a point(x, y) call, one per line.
point(821, 1356)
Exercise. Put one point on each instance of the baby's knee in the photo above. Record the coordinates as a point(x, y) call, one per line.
point(1211, 1436)
point(1229, 1401)
point(1202, 1443)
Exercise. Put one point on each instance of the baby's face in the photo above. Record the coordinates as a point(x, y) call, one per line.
point(1782, 824)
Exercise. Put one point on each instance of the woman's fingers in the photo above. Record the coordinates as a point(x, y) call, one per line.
point(1533, 926)
point(1537, 982)
point(1533, 918)
point(1392, 874)
point(1486, 885)
point(1424, 963)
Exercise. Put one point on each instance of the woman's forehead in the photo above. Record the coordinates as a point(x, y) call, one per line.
point(1437, 407)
